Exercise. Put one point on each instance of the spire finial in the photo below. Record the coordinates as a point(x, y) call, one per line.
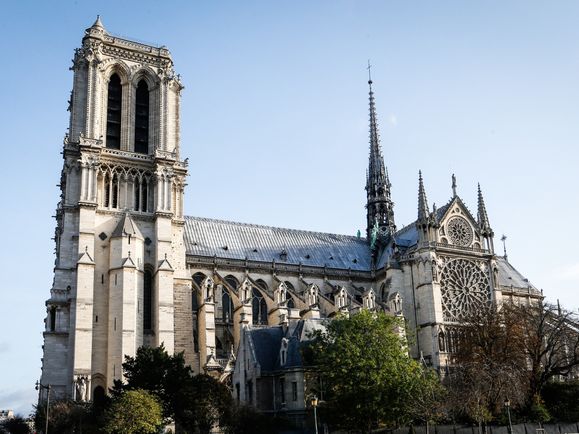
point(423, 211)
point(453, 185)
point(369, 68)
point(98, 22)
point(504, 240)
point(483, 218)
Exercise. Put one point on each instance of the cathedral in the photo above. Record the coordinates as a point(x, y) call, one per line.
point(131, 269)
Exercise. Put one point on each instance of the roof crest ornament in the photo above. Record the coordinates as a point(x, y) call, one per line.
point(453, 185)
point(504, 240)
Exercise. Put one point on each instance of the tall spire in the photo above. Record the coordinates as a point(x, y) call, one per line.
point(483, 218)
point(380, 213)
point(423, 211)
point(483, 222)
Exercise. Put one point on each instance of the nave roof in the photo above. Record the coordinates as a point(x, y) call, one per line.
point(225, 239)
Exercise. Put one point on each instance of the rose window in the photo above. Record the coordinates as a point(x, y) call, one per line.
point(459, 231)
point(465, 288)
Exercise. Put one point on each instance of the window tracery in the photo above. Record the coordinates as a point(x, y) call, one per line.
point(459, 232)
point(465, 288)
point(258, 307)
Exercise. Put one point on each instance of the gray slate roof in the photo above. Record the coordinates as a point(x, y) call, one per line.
point(267, 343)
point(508, 276)
point(209, 237)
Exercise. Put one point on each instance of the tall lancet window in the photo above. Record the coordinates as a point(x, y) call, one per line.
point(114, 101)
point(142, 118)
point(148, 300)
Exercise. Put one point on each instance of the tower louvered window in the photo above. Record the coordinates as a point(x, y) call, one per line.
point(142, 118)
point(114, 104)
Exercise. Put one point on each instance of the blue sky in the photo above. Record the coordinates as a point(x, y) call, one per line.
point(275, 125)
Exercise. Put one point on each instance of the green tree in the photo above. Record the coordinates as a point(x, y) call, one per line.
point(209, 403)
point(15, 425)
point(134, 411)
point(194, 402)
point(369, 378)
point(562, 400)
point(165, 376)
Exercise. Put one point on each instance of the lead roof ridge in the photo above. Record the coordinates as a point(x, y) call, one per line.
point(254, 225)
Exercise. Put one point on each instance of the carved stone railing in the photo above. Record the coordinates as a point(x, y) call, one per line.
point(169, 155)
point(126, 154)
point(468, 249)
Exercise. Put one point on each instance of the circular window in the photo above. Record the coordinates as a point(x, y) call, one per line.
point(465, 288)
point(459, 231)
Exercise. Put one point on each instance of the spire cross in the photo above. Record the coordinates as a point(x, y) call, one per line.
point(369, 68)
point(504, 239)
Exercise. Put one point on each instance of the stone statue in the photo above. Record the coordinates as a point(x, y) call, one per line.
point(81, 388)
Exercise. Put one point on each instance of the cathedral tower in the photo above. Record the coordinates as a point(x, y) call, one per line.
point(120, 256)
point(380, 209)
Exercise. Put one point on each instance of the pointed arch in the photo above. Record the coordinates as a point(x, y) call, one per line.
point(258, 307)
point(147, 299)
point(114, 112)
point(142, 109)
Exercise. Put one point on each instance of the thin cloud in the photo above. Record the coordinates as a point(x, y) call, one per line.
point(393, 120)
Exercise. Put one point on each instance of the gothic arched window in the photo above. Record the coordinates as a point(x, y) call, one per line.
point(115, 191)
point(226, 304)
point(258, 307)
point(141, 194)
point(148, 300)
point(114, 104)
point(98, 395)
point(52, 319)
point(290, 303)
point(142, 118)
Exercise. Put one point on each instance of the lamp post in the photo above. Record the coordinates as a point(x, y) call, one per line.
point(508, 407)
point(314, 402)
point(40, 386)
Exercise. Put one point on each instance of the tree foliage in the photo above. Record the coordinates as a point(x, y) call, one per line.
point(488, 366)
point(195, 402)
point(370, 379)
point(15, 425)
point(511, 352)
point(132, 412)
point(165, 376)
point(67, 416)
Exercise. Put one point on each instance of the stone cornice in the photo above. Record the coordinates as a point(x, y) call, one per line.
point(266, 267)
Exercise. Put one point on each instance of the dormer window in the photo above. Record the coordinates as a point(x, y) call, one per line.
point(283, 351)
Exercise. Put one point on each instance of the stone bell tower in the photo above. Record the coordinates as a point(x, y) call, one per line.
point(120, 255)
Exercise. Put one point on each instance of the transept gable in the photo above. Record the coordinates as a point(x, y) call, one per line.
point(458, 227)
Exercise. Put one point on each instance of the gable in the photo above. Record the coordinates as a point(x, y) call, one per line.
point(458, 227)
